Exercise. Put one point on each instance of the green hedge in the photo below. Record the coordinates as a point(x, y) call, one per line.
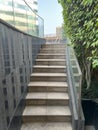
point(81, 25)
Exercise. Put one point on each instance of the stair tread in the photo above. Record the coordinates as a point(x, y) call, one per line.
point(47, 66)
point(47, 126)
point(47, 95)
point(53, 44)
point(47, 107)
point(50, 84)
point(50, 59)
point(53, 48)
point(47, 111)
point(52, 54)
point(49, 74)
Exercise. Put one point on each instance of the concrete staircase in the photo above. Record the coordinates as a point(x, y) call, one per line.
point(47, 101)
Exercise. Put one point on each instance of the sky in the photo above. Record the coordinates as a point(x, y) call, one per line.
point(51, 12)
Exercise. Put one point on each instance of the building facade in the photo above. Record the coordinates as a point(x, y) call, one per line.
point(56, 38)
point(22, 14)
point(33, 4)
point(59, 32)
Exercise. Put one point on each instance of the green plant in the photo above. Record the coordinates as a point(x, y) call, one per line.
point(81, 25)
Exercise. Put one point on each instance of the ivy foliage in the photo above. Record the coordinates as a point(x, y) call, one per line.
point(81, 25)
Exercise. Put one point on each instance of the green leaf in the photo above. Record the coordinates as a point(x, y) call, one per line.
point(95, 63)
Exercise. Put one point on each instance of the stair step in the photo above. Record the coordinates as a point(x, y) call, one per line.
point(50, 98)
point(47, 87)
point(60, 60)
point(60, 77)
point(49, 84)
point(49, 69)
point(56, 62)
point(51, 56)
point(47, 101)
point(62, 51)
point(46, 113)
point(56, 54)
point(47, 126)
point(54, 45)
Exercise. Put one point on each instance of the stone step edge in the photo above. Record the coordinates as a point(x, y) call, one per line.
point(50, 84)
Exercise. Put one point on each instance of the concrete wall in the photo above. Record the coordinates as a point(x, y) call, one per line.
point(18, 52)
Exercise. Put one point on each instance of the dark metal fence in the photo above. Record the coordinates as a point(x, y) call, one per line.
point(18, 52)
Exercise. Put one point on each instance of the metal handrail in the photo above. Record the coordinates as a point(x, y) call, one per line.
point(32, 9)
point(80, 84)
point(77, 100)
point(71, 92)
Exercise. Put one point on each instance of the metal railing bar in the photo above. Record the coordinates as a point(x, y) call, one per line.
point(32, 10)
point(72, 95)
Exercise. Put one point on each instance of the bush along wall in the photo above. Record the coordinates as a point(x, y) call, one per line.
point(81, 26)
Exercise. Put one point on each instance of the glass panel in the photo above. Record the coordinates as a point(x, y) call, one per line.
point(75, 75)
point(40, 25)
point(6, 11)
point(20, 15)
point(31, 22)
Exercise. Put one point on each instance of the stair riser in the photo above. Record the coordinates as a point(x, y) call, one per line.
point(56, 63)
point(53, 51)
point(30, 102)
point(41, 118)
point(53, 46)
point(50, 57)
point(45, 78)
point(49, 70)
point(47, 89)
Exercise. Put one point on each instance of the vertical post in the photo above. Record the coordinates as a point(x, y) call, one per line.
point(79, 103)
